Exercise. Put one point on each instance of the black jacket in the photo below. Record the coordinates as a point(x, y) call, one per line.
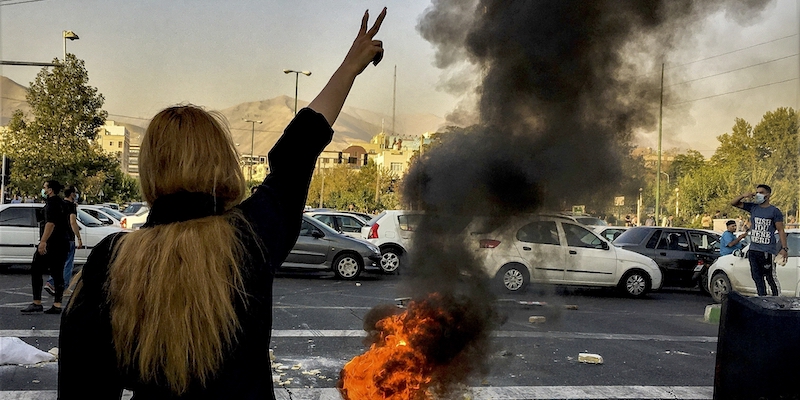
point(88, 367)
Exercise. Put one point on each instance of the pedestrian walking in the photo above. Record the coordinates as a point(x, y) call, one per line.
point(51, 253)
point(74, 231)
point(765, 220)
point(182, 308)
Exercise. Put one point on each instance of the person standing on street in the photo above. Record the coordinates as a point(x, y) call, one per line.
point(706, 221)
point(182, 308)
point(765, 220)
point(71, 209)
point(729, 242)
point(51, 253)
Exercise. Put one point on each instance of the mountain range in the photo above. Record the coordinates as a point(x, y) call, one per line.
point(353, 125)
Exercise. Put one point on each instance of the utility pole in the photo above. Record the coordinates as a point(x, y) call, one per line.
point(658, 175)
point(3, 183)
point(394, 98)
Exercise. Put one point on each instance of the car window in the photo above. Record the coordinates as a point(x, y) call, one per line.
point(673, 241)
point(612, 233)
point(114, 213)
point(793, 240)
point(591, 221)
point(578, 236)
point(306, 229)
point(704, 242)
point(325, 219)
point(651, 243)
point(541, 232)
point(632, 236)
point(18, 216)
point(349, 224)
point(88, 220)
point(98, 215)
point(408, 222)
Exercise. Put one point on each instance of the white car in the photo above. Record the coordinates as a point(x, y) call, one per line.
point(107, 216)
point(137, 215)
point(555, 250)
point(19, 233)
point(342, 222)
point(391, 231)
point(732, 272)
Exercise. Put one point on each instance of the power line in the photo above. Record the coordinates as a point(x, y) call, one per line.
point(734, 91)
point(733, 70)
point(9, 2)
point(732, 51)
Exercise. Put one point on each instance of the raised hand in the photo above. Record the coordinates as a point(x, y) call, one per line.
point(365, 48)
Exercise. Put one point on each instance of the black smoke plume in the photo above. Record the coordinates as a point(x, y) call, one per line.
point(562, 86)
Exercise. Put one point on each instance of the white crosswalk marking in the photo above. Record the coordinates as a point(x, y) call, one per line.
point(481, 393)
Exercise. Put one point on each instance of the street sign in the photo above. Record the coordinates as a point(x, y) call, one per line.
point(619, 201)
point(578, 209)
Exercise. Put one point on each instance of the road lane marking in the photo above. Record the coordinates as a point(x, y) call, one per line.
point(334, 333)
point(478, 393)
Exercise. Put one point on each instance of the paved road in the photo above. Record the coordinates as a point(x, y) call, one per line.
point(658, 347)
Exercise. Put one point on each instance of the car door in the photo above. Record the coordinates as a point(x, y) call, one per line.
point(350, 226)
point(673, 253)
point(589, 259)
point(309, 251)
point(19, 234)
point(789, 274)
point(539, 243)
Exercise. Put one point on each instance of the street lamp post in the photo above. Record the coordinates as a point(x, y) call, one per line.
point(252, 150)
point(296, 82)
point(71, 36)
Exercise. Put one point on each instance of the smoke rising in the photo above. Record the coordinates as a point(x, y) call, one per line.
point(563, 84)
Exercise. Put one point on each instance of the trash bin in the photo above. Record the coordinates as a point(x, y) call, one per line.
point(758, 353)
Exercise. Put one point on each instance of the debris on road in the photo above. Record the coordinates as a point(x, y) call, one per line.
point(590, 358)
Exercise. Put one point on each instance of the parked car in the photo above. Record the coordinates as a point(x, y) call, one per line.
point(391, 231)
point(732, 272)
point(583, 219)
point(19, 233)
point(137, 215)
point(105, 215)
point(341, 222)
point(608, 232)
point(113, 206)
point(366, 217)
point(555, 250)
point(319, 247)
point(683, 254)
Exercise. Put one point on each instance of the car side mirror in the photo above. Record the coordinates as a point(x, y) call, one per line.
point(316, 233)
point(604, 245)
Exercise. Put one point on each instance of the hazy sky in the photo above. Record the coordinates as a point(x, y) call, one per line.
point(144, 55)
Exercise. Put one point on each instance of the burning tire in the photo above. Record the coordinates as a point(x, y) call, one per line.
point(390, 259)
point(635, 283)
point(513, 278)
point(720, 286)
point(347, 266)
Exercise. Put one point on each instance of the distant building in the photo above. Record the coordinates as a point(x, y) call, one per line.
point(392, 152)
point(115, 140)
point(650, 157)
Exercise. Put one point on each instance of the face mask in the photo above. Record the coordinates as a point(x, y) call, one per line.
point(44, 194)
point(759, 198)
point(77, 196)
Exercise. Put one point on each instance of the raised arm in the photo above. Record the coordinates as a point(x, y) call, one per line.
point(738, 203)
point(330, 100)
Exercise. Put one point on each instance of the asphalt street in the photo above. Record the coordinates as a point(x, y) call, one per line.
point(656, 347)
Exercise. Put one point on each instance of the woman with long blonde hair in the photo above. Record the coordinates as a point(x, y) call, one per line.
point(182, 308)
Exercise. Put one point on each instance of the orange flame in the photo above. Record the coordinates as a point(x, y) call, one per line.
point(392, 369)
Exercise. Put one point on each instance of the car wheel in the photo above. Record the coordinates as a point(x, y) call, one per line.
point(390, 259)
point(704, 282)
point(513, 278)
point(720, 286)
point(347, 266)
point(635, 283)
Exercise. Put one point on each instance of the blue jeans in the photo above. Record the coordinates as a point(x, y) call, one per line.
point(68, 266)
point(762, 266)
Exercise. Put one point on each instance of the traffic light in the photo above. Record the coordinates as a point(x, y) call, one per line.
point(6, 170)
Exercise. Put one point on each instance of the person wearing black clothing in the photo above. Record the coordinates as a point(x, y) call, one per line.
point(51, 253)
point(182, 308)
point(74, 232)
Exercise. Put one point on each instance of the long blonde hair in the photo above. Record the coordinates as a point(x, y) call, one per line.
point(173, 287)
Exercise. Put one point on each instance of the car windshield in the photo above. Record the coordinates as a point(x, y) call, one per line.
point(591, 221)
point(88, 220)
point(114, 213)
point(132, 209)
point(321, 226)
point(632, 236)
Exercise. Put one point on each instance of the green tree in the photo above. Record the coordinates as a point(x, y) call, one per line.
point(58, 139)
point(342, 187)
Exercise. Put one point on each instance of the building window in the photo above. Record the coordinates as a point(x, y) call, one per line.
point(396, 166)
point(119, 145)
point(110, 143)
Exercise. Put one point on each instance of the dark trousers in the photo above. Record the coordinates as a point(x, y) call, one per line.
point(762, 266)
point(51, 263)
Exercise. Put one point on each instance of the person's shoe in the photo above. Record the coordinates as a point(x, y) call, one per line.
point(31, 308)
point(53, 310)
point(48, 287)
